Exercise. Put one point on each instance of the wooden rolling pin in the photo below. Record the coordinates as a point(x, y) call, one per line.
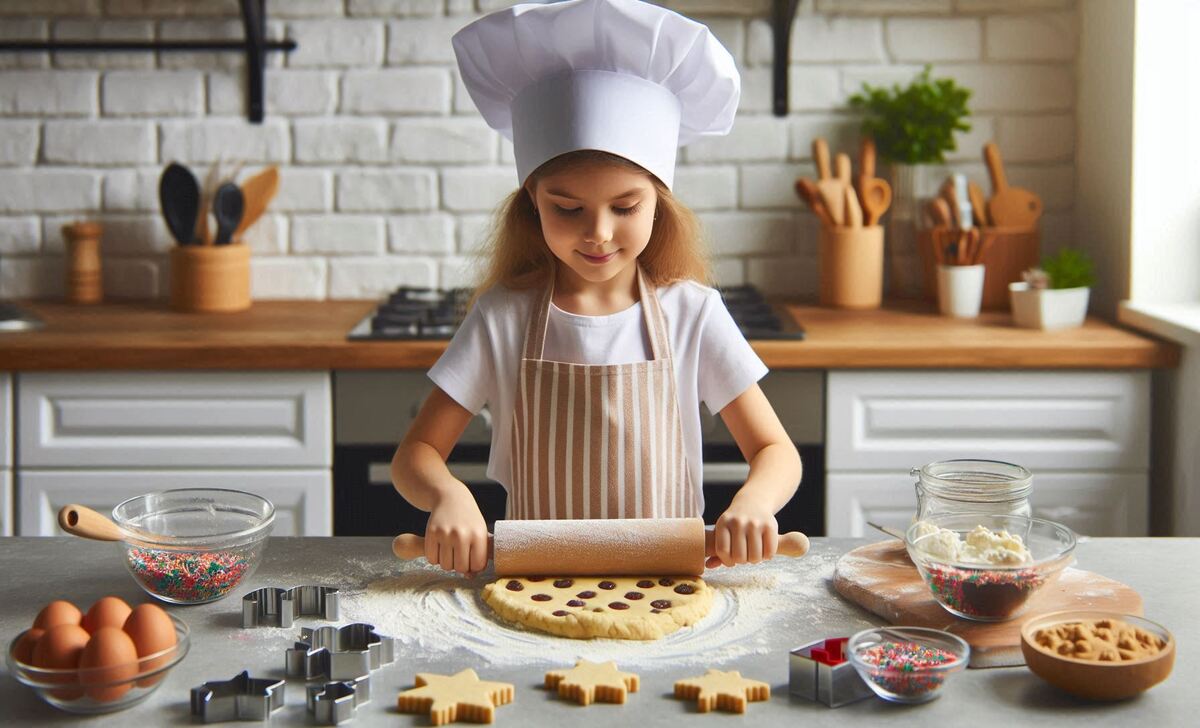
point(599, 547)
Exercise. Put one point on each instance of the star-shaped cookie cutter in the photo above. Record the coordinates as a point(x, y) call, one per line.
point(332, 703)
point(339, 653)
point(275, 607)
point(242, 698)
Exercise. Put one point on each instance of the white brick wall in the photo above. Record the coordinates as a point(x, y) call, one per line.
point(388, 174)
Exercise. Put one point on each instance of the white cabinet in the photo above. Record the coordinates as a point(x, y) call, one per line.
point(99, 437)
point(6, 508)
point(303, 498)
point(6, 429)
point(1085, 436)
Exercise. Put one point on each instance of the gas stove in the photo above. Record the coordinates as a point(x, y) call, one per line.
point(431, 313)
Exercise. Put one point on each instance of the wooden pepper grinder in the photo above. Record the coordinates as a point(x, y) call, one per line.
point(83, 261)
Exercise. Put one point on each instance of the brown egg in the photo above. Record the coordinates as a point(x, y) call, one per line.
point(56, 613)
point(106, 612)
point(151, 630)
point(60, 649)
point(23, 650)
point(108, 658)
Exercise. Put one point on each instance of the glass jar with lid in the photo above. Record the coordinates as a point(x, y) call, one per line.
point(976, 486)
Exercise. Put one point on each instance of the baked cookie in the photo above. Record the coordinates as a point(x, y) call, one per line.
point(625, 607)
point(448, 698)
point(724, 690)
point(589, 681)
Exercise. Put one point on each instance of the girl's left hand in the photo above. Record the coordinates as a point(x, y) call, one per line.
point(746, 533)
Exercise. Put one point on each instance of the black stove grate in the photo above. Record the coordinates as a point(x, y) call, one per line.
point(412, 313)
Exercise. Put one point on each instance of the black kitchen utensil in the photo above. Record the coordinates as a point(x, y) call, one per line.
point(179, 197)
point(228, 206)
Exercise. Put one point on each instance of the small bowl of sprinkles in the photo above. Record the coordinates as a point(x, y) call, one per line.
point(985, 567)
point(907, 664)
point(193, 545)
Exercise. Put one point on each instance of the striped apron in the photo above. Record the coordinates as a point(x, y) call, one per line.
point(599, 441)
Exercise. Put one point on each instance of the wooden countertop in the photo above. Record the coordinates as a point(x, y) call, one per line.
point(312, 335)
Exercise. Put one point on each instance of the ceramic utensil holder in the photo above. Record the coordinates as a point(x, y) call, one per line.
point(83, 283)
point(851, 267)
point(960, 290)
point(210, 278)
point(1011, 253)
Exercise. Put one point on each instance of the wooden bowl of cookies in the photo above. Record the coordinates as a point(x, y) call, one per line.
point(1098, 655)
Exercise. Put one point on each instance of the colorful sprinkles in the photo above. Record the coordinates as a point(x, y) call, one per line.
point(991, 594)
point(187, 576)
point(903, 668)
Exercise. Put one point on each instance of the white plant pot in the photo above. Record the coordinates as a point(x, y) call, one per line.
point(1046, 308)
point(960, 290)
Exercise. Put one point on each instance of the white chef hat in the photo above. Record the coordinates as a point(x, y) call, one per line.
point(620, 76)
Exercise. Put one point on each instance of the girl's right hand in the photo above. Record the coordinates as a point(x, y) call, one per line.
point(456, 536)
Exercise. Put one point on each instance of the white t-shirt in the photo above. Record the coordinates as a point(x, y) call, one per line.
point(483, 360)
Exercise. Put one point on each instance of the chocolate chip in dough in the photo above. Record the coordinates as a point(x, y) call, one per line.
point(656, 611)
point(586, 595)
point(607, 585)
point(541, 597)
point(563, 583)
point(560, 613)
point(514, 585)
point(685, 589)
point(576, 603)
point(666, 582)
point(645, 584)
point(633, 595)
point(660, 604)
point(618, 605)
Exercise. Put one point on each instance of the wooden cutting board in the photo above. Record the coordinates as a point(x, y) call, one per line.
point(882, 579)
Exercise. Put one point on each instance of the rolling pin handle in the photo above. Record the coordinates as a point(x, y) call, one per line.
point(793, 544)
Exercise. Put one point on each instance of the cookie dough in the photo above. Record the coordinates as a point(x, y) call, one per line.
point(727, 691)
point(448, 698)
point(589, 681)
point(626, 607)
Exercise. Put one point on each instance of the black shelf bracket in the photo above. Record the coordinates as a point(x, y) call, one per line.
point(782, 13)
point(254, 45)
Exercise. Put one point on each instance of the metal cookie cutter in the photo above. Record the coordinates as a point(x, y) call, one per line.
point(335, 702)
point(272, 607)
point(242, 698)
point(820, 671)
point(339, 653)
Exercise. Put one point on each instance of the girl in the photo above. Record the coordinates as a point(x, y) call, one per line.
point(592, 339)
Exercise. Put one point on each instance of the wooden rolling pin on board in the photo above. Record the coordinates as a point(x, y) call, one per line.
point(599, 547)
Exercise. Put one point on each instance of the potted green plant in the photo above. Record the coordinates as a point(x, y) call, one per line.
point(1054, 296)
point(913, 128)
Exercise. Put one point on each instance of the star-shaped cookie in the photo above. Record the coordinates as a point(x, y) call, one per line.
point(724, 690)
point(589, 681)
point(452, 697)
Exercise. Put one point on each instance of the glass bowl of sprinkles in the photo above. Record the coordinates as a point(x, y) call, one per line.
point(193, 545)
point(1001, 573)
point(907, 664)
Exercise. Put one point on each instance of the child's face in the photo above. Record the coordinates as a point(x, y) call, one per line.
point(597, 218)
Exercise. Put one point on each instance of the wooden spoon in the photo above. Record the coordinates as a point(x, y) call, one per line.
point(876, 198)
point(830, 188)
point(86, 523)
point(807, 190)
point(1009, 205)
point(258, 192)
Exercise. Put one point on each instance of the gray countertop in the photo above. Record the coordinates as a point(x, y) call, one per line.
point(802, 609)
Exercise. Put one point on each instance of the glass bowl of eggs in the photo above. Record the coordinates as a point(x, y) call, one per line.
point(984, 566)
point(103, 670)
point(193, 545)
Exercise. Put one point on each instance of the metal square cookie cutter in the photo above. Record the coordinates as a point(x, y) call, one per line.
point(332, 703)
point(339, 653)
point(241, 698)
point(820, 671)
point(274, 607)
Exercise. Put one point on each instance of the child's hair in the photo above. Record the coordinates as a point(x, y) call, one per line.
point(517, 256)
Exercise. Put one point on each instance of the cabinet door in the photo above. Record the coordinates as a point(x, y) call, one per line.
point(1093, 504)
point(6, 422)
point(6, 504)
point(302, 498)
point(175, 419)
point(1068, 421)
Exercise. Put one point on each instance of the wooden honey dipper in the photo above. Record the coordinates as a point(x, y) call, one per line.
point(599, 547)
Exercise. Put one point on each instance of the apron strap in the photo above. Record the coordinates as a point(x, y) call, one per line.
point(656, 324)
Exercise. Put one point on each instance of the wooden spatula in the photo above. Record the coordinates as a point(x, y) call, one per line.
point(258, 191)
point(1009, 205)
point(830, 188)
point(978, 204)
point(807, 191)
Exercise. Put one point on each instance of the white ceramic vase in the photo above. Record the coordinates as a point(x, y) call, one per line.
point(960, 290)
point(1048, 308)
